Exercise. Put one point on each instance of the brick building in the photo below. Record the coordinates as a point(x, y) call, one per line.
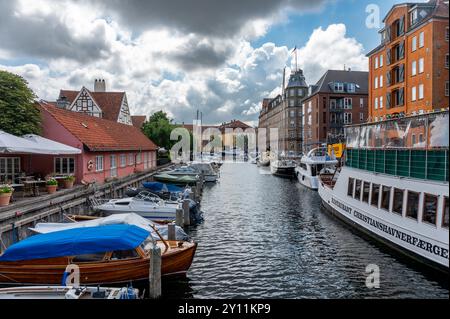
point(409, 69)
point(339, 98)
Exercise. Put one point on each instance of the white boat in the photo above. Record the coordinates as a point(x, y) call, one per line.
point(206, 170)
point(395, 187)
point(316, 161)
point(62, 292)
point(145, 204)
point(283, 168)
point(183, 171)
point(263, 159)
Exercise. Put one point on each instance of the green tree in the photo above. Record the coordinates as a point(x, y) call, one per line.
point(158, 129)
point(18, 115)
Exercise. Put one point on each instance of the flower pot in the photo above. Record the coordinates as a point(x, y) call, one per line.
point(68, 184)
point(51, 189)
point(5, 199)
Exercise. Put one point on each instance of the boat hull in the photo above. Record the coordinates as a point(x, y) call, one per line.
point(282, 171)
point(312, 182)
point(41, 272)
point(417, 241)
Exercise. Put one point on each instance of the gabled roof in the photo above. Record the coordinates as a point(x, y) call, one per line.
point(109, 102)
point(357, 77)
point(99, 134)
point(234, 124)
point(138, 120)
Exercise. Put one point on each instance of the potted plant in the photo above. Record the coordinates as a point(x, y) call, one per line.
point(5, 195)
point(52, 185)
point(68, 181)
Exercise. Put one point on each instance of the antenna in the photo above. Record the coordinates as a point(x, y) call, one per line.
point(284, 81)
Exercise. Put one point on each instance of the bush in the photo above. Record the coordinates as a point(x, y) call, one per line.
point(6, 189)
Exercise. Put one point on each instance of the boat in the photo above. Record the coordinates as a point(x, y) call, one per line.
point(316, 161)
point(206, 170)
point(104, 255)
point(145, 204)
point(283, 168)
point(394, 185)
point(183, 171)
point(68, 292)
point(165, 191)
point(263, 160)
point(176, 180)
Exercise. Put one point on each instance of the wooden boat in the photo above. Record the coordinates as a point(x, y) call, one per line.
point(109, 254)
point(63, 292)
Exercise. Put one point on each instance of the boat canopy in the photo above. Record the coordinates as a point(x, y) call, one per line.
point(77, 241)
point(161, 187)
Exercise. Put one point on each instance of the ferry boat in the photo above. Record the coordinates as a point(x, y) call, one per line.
point(312, 164)
point(394, 185)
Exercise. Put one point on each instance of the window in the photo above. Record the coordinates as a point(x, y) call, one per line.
point(421, 39)
point(64, 165)
point(414, 44)
point(446, 34)
point(10, 169)
point(88, 258)
point(381, 81)
point(376, 103)
point(375, 194)
point(446, 61)
point(361, 102)
point(338, 87)
point(113, 166)
point(366, 190)
point(123, 160)
point(430, 205)
point(420, 91)
point(358, 189)
point(347, 103)
point(385, 197)
point(376, 62)
point(413, 93)
point(445, 213)
point(413, 138)
point(447, 88)
point(421, 65)
point(292, 113)
point(381, 61)
point(347, 118)
point(412, 205)
point(376, 82)
point(291, 102)
point(292, 123)
point(361, 117)
point(413, 17)
point(124, 254)
point(398, 201)
point(99, 163)
point(131, 159)
point(139, 158)
point(381, 102)
point(351, 88)
point(413, 68)
point(292, 92)
point(351, 182)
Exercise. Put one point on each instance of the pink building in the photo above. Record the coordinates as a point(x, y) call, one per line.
point(109, 149)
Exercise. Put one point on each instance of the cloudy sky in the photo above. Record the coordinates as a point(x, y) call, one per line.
point(221, 57)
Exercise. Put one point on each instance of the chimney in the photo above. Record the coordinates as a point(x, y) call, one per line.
point(99, 85)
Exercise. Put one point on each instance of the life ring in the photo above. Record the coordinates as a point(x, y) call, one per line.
point(90, 165)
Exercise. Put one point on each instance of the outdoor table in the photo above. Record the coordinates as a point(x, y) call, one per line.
point(35, 185)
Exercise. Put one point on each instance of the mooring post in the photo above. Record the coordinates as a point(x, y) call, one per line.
point(154, 274)
point(179, 221)
point(187, 217)
point(171, 233)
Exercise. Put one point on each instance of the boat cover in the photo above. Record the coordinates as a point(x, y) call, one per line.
point(115, 219)
point(77, 241)
point(161, 187)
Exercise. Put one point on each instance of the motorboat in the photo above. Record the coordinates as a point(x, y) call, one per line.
point(206, 170)
point(176, 180)
point(108, 254)
point(283, 168)
point(183, 171)
point(312, 164)
point(165, 191)
point(68, 292)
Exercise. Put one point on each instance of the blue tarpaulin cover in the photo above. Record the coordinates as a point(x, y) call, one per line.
point(161, 187)
point(77, 241)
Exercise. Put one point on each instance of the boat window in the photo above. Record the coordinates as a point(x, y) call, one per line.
point(358, 189)
point(386, 197)
point(351, 181)
point(366, 190)
point(430, 203)
point(375, 194)
point(124, 254)
point(122, 203)
point(313, 170)
point(412, 206)
point(398, 201)
point(446, 212)
point(303, 165)
point(88, 258)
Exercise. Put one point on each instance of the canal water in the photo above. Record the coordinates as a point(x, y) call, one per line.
point(268, 237)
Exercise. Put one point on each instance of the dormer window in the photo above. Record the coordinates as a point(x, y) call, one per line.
point(351, 88)
point(338, 87)
point(413, 17)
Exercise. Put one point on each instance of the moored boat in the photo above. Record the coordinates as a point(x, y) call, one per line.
point(283, 168)
point(176, 180)
point(312, 164)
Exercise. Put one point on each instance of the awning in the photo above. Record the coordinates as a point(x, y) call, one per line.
point(33, 144)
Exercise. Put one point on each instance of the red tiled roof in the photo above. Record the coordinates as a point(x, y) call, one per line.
point(99, 134)
point(109, 102)
point(235, 124)
point(138, 120)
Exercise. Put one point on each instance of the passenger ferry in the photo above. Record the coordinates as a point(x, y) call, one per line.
point(394, 185)
point(316, 161)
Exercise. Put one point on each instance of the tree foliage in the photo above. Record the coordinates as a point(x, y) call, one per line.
point(158, 129)
point(18, 115)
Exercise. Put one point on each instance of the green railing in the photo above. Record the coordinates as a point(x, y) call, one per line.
point(421, 164)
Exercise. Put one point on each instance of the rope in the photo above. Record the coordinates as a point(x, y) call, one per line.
point(9, 278)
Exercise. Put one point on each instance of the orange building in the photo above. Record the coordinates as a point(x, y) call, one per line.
point(408, 71)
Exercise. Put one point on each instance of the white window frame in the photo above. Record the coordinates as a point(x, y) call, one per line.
point(421, 92)
point(131, 159)
point(348, 103)
point(376, 103)
point(361, 117)
point(139, 158)
point(5, 174)
point(376, 82)
point(381, 81)
point(61, 165)
point(414, 44)
point(123, 160)
point(421, 65)
point(113, 165)
point(376, 62)
point(447, 88)
point(381, 102)
point(361, 102)
point(413, 94)
point(99, 163)
point(421, 39)
point(381, 60)
point(413, 68)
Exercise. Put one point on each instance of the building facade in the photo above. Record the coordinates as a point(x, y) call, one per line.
point(339, 98)
point(409, 69)
point(284, 112)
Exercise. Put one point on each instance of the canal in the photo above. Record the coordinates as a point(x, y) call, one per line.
point(267, 237)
